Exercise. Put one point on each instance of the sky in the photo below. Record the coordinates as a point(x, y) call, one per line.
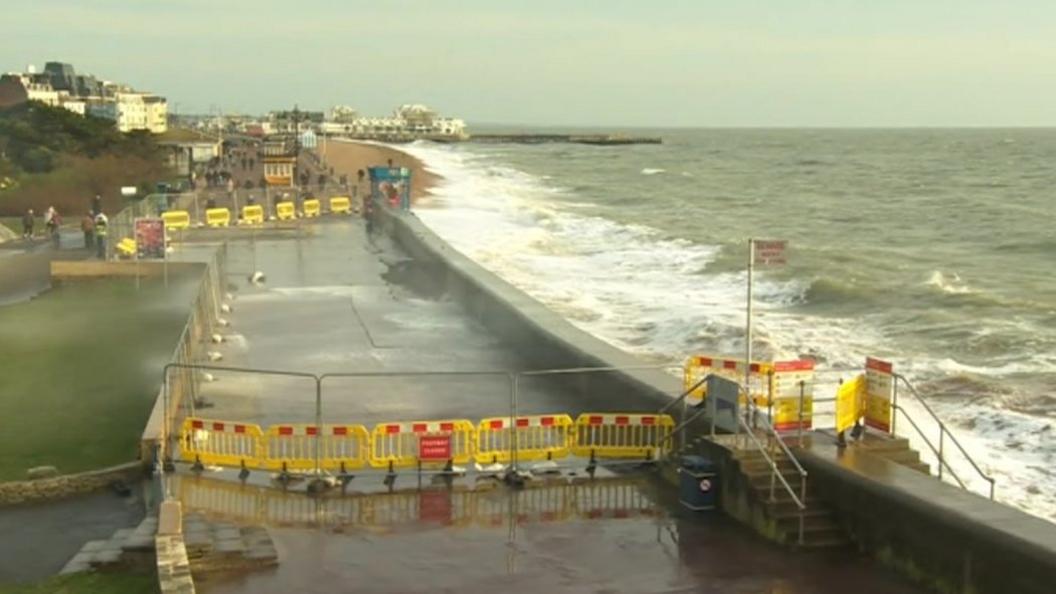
point(673, 63)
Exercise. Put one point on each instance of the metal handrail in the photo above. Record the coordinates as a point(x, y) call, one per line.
point(920, 432)
point(774, 474)
point(683, 395)
point(943, 430)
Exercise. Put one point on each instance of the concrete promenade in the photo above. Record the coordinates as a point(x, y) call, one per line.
point(335, 299)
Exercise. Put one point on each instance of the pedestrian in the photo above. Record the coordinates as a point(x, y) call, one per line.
point(27, 225)
point(53, 224)
point(101, 223)
point(88, 227)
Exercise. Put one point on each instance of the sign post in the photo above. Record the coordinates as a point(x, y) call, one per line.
point(766, 253)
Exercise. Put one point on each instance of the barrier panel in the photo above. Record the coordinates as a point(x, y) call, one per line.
point(698, 367)
point(292, 447)
point(622, 435)
point(402, 445)
point(126, 247)
point(340, 205)
point(850, 403)
point(312, 208)
point(285, 211)
point(176, 219)
point(253, 214)
point(218, 217)
point(222, 443)
point(540, 437)
point(789, 397)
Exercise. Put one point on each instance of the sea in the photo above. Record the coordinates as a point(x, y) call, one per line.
point(934, 249)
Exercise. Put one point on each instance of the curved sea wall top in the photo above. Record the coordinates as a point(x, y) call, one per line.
point(542, 336)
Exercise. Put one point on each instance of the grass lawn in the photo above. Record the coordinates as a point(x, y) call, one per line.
point(80, 367)
point(89, 583)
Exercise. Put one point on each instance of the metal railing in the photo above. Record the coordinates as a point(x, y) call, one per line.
point(944, 434)
point(775, 474)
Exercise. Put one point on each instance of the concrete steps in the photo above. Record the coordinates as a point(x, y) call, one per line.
point(221, 546)
point(127, 547)
point(820, 527)
point(895, 449)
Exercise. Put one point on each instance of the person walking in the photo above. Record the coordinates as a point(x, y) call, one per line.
point(53, 220)
point(27, 225)
point(101, 223)
point(88, 227)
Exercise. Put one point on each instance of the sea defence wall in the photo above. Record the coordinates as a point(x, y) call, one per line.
point(543, 337)
point(937, 534)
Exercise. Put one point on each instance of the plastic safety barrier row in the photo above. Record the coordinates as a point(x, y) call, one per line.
point(285, 211)
point(402, 445)
point(622, 435)
point(176, 219)
point(700, 366)
point(312, 208)
point(218, 217)
point(541, 437)
point(341, 205)
point(127, 247)
point(430, 444)
point(253, 214)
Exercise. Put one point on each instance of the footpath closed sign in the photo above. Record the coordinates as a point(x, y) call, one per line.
point(434, 448)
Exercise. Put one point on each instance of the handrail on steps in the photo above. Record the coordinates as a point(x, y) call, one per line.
point(775, 475)
point(943, 432)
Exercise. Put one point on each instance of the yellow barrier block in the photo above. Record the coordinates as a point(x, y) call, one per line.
point(540, 437)
point(218, 217)
point(285, 211)
point(222, 443)
point(293, 447)
point(341, 205)
point(253, 214)
point(127, 246)
point(312, 208)
point(176, 219)
point(403, 445)
point(630, 435)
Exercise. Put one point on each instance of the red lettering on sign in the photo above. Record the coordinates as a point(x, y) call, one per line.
point(434, 447)
point(797, 365)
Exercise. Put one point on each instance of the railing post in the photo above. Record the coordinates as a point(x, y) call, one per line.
point(894, 404)
point(942, 460)
point(802, 388)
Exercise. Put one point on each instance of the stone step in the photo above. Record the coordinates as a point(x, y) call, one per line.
point(882, 443)
point(905, 457)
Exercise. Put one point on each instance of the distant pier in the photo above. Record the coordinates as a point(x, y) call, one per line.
point(597, 139)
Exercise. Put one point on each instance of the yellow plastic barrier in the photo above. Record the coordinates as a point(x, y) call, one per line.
point(285, 211)
point(398, 444)
point(218, 217)
point(292, 447)
point(540, 437)
point(700, 366)
point(622, 435)
point(127, 247)
point(312, 208)
point(176, 219)
point(253, 214)
point(222, 443)
point(341, 205)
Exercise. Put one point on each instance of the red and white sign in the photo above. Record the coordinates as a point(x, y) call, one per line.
point(770, 252)
point(434, 448)
point(879, 391)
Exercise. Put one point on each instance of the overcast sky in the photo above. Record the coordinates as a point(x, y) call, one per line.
point(607, 63)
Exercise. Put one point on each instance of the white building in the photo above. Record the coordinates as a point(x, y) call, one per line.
point(133, 111)
point(408, 122)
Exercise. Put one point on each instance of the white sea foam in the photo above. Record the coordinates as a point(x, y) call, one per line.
point(652, 171)
point(656, 297)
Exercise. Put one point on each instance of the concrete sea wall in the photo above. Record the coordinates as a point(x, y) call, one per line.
point(543, 337)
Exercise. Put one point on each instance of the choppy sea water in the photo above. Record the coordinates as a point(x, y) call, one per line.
point(935, 249)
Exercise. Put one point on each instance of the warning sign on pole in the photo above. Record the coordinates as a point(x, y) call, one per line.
point(793, 395)
point(770, 252)
point(879, 385)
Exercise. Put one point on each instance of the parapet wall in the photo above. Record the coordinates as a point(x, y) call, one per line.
point(543, 337)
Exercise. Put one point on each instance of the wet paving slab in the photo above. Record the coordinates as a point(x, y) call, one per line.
point(614, 533)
